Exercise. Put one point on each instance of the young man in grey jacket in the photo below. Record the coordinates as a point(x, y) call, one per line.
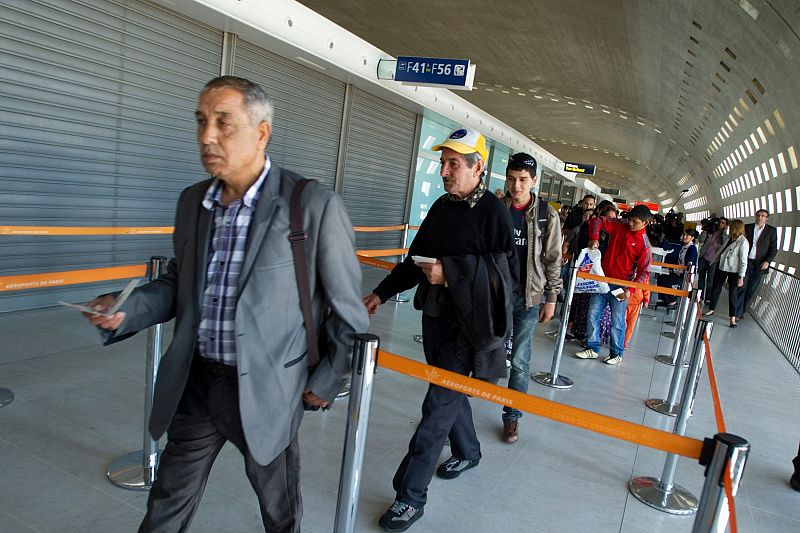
point(537, 236)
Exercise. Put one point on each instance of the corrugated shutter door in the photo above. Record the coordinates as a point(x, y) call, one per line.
point(380, 146)
point(96, 129)
point(308, 111)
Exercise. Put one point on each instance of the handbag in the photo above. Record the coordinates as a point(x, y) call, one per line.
point(589, 261)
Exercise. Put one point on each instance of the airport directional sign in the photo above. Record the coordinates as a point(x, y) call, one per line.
point(435, 71)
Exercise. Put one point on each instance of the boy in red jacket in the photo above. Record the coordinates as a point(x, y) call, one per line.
point(627, 257)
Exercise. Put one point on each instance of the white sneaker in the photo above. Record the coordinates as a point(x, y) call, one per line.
point(613, 360)
point(588, 353)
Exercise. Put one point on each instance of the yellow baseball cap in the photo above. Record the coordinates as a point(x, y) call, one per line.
point(465, 141)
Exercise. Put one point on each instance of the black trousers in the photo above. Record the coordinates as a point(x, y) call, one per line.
point(207, 417)
point(734, 292)
point(705, 277)
point(445, 413)
point(751, 280)
point(669, 280)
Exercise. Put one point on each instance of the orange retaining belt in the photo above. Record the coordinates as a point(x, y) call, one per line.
point(382, 253)
point(78, 230)
point(380, 263)
point(70, 277)
point(712, 379)
point(574, 416)
point(375, 229)
point(669, 265)
point(633, 284)
point(154, 230)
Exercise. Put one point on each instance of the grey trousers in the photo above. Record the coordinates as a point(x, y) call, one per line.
point(207, 417)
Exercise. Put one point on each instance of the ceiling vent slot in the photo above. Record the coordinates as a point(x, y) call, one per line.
point(750, 95)
point(723, 65)
point(717, 88)
point(758, 85)
point(691, 53)
point(730, 53)
point(719, 77)
point(695, 41)
point(696, 25)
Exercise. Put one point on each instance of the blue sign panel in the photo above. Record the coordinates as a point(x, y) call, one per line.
point(432, 70)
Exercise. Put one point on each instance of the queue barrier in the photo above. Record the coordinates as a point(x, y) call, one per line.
point(84, 230)
point(70, 277)
point(669, 265)
point(724, 453)
point(143, 230)
point(553, 378)
point(402, 251)
point(74, 277)
point(389, 252)
point(660, 493)
point(137, 470)
point(730, 451)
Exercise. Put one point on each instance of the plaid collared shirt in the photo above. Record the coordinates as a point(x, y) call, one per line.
point(473, 197)
point(216, 337)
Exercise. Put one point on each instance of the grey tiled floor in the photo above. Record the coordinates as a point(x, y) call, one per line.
point(79, 405)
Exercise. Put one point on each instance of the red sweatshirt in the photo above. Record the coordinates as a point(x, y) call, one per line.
point(628, 255)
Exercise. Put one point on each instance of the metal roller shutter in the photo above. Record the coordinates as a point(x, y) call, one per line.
point(308, 111)
point(96, 129)
point(378, 158)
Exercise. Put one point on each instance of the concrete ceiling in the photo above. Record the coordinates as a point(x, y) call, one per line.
point(637, 87)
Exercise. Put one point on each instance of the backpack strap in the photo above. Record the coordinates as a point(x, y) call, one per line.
point(298, 238)
point(542, 213)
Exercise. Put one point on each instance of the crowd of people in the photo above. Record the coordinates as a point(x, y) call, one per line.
point(251, 294)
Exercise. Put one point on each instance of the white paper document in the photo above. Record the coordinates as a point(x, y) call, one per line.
point(422, 259)
point(114, 306)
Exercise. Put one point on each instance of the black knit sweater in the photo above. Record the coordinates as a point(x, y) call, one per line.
point(452, 228)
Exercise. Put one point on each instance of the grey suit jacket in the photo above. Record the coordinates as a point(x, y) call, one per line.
point(271, 342)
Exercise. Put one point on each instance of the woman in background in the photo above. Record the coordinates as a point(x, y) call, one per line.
point(731, 268)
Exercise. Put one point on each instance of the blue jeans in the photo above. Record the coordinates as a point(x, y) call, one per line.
point(525, 321)
point(596, 305)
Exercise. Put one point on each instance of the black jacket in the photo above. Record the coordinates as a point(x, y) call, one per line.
point(481, 287)
point(767, 246)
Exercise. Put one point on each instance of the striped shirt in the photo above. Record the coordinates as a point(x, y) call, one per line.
point(216, 336)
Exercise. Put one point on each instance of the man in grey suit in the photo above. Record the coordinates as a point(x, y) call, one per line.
point(763, 239)
point(236, 369)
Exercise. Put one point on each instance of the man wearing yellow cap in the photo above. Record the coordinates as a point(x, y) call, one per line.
point(463, 261)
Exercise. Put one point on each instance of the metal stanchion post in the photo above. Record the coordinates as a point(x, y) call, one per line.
point(6, 397)
point(669, 406)
point(686, 284)
point(137, 470)
point(680, 326)
point(399, 298)
point(663, 494)
point(365, 355)
point(730, 455)
point(552, 379)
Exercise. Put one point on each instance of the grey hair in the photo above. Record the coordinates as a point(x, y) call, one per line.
point(472, 159)
point(256, 101)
